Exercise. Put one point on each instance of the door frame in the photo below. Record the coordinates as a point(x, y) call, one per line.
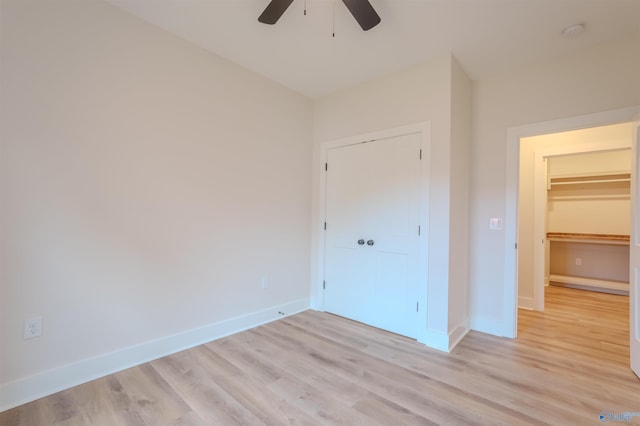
point(514, 134)
point(634, 243)
point(424, 129)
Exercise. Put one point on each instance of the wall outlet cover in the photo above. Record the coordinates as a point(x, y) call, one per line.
point(32, 328)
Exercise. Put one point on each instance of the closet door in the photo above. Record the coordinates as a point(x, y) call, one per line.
point(634, 252)
point(372, 235)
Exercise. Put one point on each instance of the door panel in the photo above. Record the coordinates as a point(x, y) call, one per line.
point(391, 268)
point(346, 280)
point(372, 195)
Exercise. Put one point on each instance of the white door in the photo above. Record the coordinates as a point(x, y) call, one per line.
point(634, 252)
point(372, 232)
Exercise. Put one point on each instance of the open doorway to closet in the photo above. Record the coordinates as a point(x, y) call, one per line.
point(574, 225)
point(517, 320)
point(573, 212)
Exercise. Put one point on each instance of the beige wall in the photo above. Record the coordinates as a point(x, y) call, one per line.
point(602, 78)
point(597, 261)
point(147, 187)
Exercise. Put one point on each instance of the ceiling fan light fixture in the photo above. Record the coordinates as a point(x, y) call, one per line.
point(362, 11)
point(275, 9)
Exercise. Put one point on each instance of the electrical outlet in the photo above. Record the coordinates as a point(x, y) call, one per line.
point(32, 328)
point(578, 261)
point(265, 281)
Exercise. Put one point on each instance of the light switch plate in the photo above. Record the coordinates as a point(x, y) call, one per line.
point(495, 223)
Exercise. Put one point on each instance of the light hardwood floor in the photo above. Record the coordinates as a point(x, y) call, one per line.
point(568, 365)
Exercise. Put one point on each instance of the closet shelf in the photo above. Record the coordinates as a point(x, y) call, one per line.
point(579, 182)
point(590, 179)
point(588, 238)
point(589, 197)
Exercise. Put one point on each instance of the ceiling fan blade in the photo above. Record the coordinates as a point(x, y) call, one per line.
point(364, 13)
point(274, 11)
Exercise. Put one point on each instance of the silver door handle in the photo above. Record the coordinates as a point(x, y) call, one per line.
point(370, 242)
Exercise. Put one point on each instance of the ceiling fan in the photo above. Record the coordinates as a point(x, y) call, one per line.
point(361, 10)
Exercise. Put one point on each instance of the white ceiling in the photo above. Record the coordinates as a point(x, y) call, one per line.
point(486, 36)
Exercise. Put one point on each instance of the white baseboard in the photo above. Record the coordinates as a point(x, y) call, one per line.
point(441, 341)
point(51, 381)
point(526, 303)
point(618, 287)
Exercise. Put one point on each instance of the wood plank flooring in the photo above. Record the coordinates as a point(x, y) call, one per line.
point(567, 365)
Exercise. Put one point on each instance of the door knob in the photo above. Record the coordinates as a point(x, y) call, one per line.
point(370, 242)
point(360, 242)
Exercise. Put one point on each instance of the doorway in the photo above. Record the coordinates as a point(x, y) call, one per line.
point(511, 246)
point(574, 199)
point(580, 241)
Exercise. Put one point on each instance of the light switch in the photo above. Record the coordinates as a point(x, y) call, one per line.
point(495, 223)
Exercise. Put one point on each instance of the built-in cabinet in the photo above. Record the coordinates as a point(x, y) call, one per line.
point(587, 242)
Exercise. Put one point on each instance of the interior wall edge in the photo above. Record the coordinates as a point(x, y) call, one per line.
point(443, 341)
point(457, 334)
point(526, 303)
